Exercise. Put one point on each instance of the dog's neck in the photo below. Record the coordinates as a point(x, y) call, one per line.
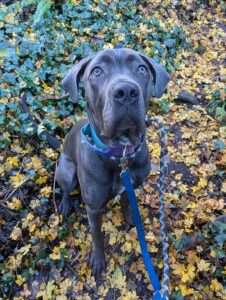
point(90, 138)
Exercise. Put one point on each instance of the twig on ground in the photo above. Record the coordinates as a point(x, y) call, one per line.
point(14, 190)
point(86, 286)
point(55, 97)
point(187, 98)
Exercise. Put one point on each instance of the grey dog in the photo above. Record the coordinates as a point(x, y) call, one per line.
point(118, 85)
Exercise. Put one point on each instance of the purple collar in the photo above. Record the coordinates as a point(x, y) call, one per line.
point(90, 138)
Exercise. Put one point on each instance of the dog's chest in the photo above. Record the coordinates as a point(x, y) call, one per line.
point(117, 186)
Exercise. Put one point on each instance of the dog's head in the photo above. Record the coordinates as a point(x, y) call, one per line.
point(118, 85)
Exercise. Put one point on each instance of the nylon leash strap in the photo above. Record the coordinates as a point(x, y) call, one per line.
point(158, 295)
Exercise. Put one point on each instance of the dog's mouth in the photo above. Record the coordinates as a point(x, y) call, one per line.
point(126, 136)
point(127, 133)
point(124, 139)
point(126, 130)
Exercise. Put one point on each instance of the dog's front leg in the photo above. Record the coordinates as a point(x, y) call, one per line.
point(126, 209)
point(97, 261)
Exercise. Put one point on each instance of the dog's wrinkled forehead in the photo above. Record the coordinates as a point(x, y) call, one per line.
point(115, 57)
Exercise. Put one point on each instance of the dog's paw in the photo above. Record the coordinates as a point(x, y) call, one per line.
point(65, 207)
point(98, 264)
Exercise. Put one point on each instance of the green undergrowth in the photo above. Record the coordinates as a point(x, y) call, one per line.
point(38, 52)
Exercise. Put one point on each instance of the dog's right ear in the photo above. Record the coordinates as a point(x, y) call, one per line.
point(161, 77)
point(71, 82)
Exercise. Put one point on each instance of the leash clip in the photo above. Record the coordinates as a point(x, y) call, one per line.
point(124, 161)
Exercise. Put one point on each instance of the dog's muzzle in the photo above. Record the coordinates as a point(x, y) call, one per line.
point(123, 113)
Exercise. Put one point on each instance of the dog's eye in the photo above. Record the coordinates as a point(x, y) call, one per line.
point(97, 72)
point(142, 70)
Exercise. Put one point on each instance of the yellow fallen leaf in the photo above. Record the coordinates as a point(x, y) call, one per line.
point(153, 249)
point(201, 184)
point(117, 219)
point(13, 263)
point(223, 188)
point(25, 221)
point(49, 153)
point(62, 244)
point(47, 89)
point(213, 253)
point(54, 220)
point(118, 280)
point(20, 280)
point(36, 163)
point(192, 205)
point(13, 161)
point(55, 256)
point(127, 247)
point(46, 191)
point(34, 203)
point(50, 288)
point(179, 176)
point(32, 227)
point(64, 285)
point(16, 233)
point(150, 237)
point(186, 273)
point(113, 239)
point(78, 286)
point(18, 179)
point(186, 290)
point(42, 179)
point(216, 286)
point(129, 296)
point(14, 204)
point(224, 272)
point(203, 265)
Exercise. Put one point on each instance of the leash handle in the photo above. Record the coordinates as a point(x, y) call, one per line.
point(161, 204)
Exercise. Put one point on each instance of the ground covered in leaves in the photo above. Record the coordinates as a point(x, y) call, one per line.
point(44, 256)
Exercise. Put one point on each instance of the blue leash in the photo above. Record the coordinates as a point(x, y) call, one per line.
point(158, 295)
point(140, 232)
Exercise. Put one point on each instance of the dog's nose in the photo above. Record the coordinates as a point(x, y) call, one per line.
point(126, 92)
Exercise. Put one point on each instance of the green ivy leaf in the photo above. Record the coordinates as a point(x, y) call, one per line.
point(221, 238)
point(219, 145)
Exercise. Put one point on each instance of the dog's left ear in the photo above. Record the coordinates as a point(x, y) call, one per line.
point(161, 77)
point(71, 82)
